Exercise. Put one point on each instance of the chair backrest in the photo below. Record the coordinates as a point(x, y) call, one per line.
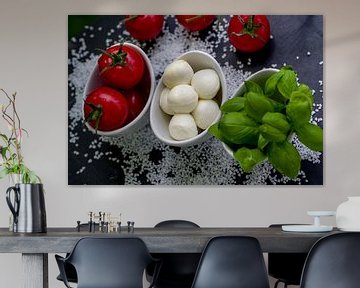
point(176, 224)
point(232, 262)
point(333, 262)
point(110, 262)
point(178, 269)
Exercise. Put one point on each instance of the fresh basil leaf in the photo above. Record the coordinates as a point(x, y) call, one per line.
point(277, 120)
point(287, 83)
point(278, 106)
point(214, 130)
point(311, 135)
point(248, 158)
point(285, 158)
point(238, 128)
point(233, 105)
point(308, 93)
point(256, 105)
point(298, 110)
point(272, 134)
point(262, 142)
point(252, 86)
point(272, 81)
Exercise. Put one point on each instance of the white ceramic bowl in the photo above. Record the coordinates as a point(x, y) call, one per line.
point(94, 82)
point(159, 120)
point(260, 78)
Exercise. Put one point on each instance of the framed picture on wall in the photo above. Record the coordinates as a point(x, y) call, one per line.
point(175, 100)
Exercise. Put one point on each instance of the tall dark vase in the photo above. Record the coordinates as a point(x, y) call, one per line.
point(27, 204)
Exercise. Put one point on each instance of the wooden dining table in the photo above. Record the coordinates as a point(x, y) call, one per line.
point(35, 247)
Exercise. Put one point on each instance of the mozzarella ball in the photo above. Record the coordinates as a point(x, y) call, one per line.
point(182, 99)
point(205, 113)
point(178, 72)
point(206, 83)
point(164, 102)
point(182, 127)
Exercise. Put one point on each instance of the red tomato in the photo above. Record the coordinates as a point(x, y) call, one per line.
point(249, 33)
point(121, 66)
point(195, 22)
point(136, 103)
point(106, 109)
point(144, 27)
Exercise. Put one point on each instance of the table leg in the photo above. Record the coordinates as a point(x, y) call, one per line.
point(35, 270)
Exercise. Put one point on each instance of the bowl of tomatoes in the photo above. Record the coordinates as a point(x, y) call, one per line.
point(119, 90)
point(187, 99)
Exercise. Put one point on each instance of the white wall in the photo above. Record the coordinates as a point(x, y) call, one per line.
point(33, 62)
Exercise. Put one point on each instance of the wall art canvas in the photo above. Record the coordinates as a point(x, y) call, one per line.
point(137, 115)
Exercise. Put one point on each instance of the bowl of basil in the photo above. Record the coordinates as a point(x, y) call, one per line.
point(258, 123)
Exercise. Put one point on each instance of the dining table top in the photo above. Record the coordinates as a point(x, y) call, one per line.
point(159, 240)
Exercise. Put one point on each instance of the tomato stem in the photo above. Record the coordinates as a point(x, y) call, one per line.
point(129, 18)
point(189, 20)
point(94, 115)
point(117, 58)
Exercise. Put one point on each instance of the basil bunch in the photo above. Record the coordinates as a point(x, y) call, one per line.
point(257, 125)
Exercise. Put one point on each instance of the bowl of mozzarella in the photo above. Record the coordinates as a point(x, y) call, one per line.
point(187, 99)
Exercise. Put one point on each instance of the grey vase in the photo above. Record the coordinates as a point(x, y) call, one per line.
point(28, 208)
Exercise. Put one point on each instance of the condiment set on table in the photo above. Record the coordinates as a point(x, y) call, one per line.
point(104, 222)
point(315, 227)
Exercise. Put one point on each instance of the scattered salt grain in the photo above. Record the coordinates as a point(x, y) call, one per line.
point(308, 53)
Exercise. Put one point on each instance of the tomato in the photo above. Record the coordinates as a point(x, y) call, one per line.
point(195, 22)
point(249, 33)
point(144, 27)
point(121, 66)
point(136, 101)
point(106, 109)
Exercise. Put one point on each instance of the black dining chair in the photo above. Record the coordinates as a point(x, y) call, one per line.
point(285, 267)
point(70, 271)
point(178, 269)
point(108, 263)
point(333, 262)
point(232, 262)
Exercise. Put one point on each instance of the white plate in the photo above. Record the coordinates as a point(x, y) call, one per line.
point(321, 213)
point(306, 228)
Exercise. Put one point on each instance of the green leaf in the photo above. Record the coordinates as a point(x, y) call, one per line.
point(215, 131)
point(311, 135)
point(4, 137)
point(278, 106)
point(248, 158)
point(277, 120)
point(285, 158)
point(256, 105)
point(252, 86)
point(233, 105)
point(304, 89)
point(272, 134)
point(272, 81)
point(3, 173)
point(262, 142)
point(298, 110)
point(238, 128)
point(287, 83)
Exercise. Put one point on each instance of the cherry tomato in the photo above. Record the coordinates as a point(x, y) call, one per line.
point(249, 33)
point(136, 101)
point(195, 22)
point(144, 27)
point(121, 66)
point(106, 109)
